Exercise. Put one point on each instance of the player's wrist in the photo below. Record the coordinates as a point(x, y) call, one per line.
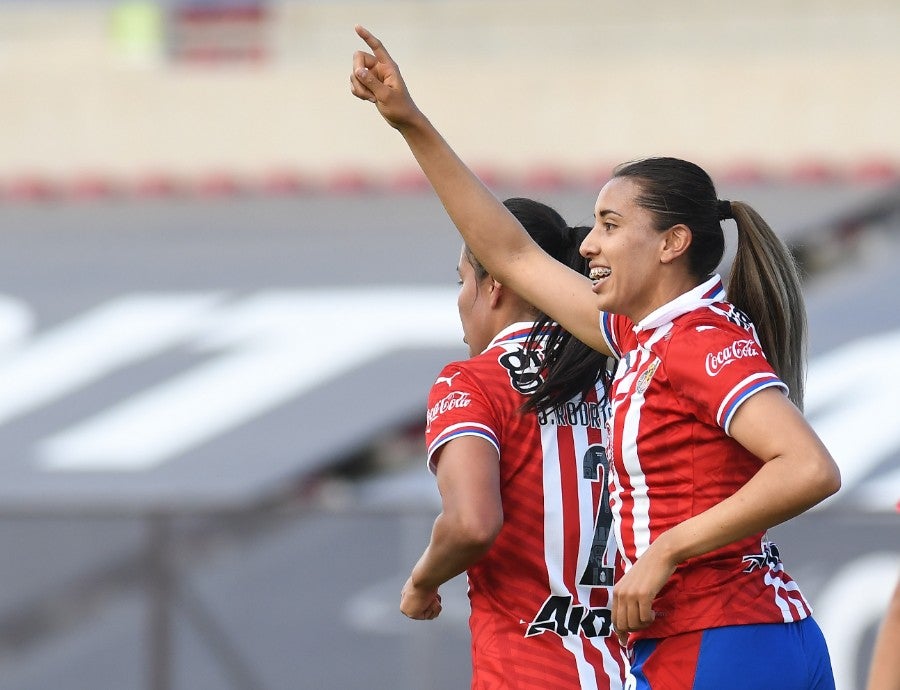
point(670, 549)
point(420, 581)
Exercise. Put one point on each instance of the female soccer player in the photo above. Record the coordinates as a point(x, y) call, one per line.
point(524, 506)
point(708, 446)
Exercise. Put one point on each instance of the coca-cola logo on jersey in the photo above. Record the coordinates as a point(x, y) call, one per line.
point(737, 350)
point(451, 401)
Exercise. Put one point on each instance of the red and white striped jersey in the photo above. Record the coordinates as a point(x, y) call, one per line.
point(540, 595)
point(683, 371)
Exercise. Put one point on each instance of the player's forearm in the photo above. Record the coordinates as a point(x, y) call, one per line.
point(452, 549)
point(783, 488)
point(488, 228)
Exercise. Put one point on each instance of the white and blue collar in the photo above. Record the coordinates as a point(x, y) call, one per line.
point(516, 332)
point(701, 296)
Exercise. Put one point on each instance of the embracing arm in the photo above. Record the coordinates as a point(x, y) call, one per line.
point(488, 228)
point(797, 473)
point(468, 476)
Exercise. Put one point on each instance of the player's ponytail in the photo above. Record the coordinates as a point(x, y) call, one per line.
point(765, 284)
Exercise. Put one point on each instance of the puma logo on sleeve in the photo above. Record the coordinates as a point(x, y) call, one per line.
point(446, 379)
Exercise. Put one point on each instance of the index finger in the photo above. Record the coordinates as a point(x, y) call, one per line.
point(373, 42)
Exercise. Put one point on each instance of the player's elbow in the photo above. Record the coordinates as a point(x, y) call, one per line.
point(831, 479)
point(477, 530)
point(824, 478)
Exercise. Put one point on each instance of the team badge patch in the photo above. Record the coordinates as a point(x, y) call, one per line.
point(644, 381)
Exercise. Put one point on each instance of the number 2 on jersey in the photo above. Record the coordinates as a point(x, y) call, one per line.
point(596, 469)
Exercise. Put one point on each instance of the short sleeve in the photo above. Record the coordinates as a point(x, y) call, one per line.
point(718, 366)
point(457, 406)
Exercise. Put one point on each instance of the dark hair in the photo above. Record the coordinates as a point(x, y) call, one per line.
point(569, 367)
point(764, 282)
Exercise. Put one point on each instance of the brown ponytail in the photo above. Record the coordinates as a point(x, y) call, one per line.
point(765, 284)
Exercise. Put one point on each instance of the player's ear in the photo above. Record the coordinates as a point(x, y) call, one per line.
point(676, 241)
point(497, 292)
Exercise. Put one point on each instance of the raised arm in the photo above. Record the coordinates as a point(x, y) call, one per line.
point(491, 232)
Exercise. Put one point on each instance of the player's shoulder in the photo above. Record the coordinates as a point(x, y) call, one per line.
point(708, 330)
point(453, 373)
point(719, 318)
point(465, 373)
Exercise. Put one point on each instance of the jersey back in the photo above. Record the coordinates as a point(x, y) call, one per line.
point(540, 595)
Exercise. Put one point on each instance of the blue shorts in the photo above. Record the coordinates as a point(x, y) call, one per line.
point(787, 656)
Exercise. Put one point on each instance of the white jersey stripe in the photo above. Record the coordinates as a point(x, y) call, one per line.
point(554, 528)
point(553, 515)
point(729, 398)
point(640, 529)
point(455, 431)
point(741, 392)
point(553, 543)
point(795, 597)
point(616, 488)
point(640, 491)
point(612, 669)
point(586, 513)
point(615, 504)
point(587, 676)
point(774, 580)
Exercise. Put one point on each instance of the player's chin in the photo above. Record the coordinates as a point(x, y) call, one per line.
point(606, 303)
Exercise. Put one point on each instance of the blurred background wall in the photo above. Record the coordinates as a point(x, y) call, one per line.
point(225, 290)
point(136, 87)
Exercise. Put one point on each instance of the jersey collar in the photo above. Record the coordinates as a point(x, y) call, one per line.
point(701, 296)
point(514, 332)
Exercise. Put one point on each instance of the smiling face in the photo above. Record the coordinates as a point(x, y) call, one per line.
point(474, 305)
point(625, 253)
